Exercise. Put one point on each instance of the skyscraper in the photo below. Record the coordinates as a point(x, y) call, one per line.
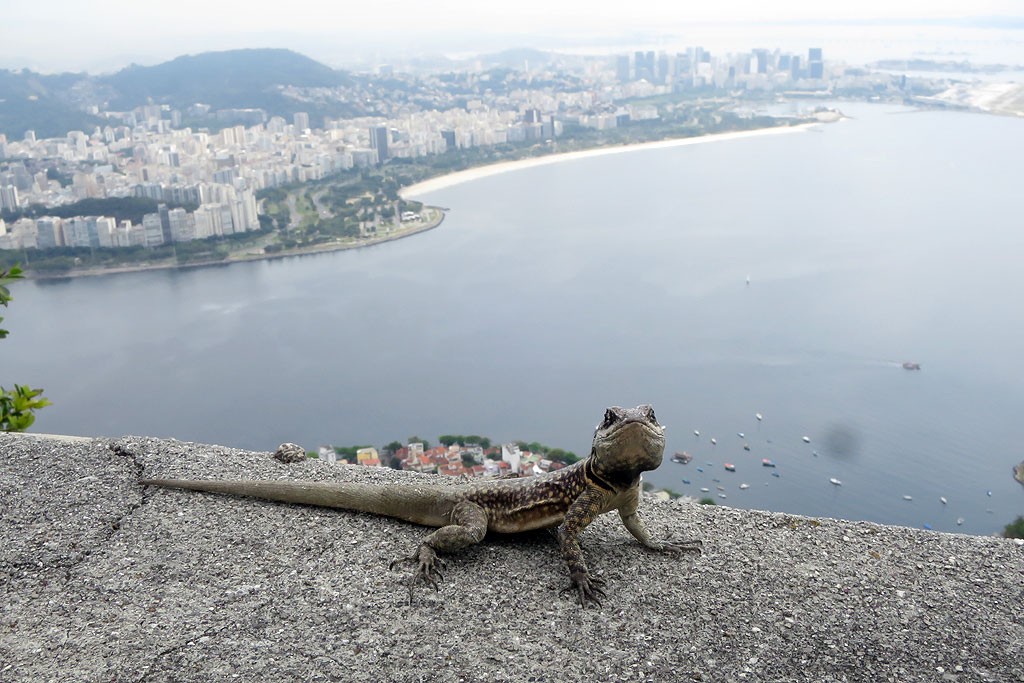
point(815, 64)
point(379, 142)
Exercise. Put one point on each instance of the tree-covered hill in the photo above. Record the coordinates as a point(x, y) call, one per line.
point(230, 79)
point(51, 105)
point(31, 101)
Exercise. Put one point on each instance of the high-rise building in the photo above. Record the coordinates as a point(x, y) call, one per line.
point(379, 142)
point(182, 229)
point(165, 222)
point(8, 198)
point(815, 64)
point(301, 120)
point(48, 232)
point(622, 72)
point(153, 227)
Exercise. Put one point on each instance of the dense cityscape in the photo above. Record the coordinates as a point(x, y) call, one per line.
point(206, 179)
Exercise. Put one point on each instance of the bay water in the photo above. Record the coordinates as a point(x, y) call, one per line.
point(788, 276)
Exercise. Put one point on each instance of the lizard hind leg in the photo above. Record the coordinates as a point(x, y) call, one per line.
point(468, 527)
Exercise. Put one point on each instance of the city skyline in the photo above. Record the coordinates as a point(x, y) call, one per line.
point(112, 35)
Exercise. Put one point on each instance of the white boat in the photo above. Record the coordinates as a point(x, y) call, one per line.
point(942, 499)
point(908, 498)
point(807, 439)
point(744, 486)
point(758, 416)
point(835, 482)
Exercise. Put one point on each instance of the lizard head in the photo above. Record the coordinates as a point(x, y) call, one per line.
point(627, 442)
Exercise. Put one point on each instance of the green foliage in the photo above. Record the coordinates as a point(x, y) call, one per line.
point(707, 501)
point(1015, 529)
point(470, 440)
point(349, 452)
point(416, 439)
point(557, 454)
point(6, 277)
point(121, 208)
point(17, 406)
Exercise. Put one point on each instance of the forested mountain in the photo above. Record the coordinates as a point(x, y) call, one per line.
point(51, 105)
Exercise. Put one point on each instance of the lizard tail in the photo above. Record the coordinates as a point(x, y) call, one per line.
point(418, 504)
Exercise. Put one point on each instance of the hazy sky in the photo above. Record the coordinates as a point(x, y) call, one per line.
point(75, 35)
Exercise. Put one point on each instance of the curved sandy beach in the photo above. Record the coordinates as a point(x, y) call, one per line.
point(469, 174)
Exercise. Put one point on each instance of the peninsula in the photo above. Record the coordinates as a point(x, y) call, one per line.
point(332, 161)
point(356, 209)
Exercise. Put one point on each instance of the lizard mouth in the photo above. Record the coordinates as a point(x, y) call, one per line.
point(633, 441)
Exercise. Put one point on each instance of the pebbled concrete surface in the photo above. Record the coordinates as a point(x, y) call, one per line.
point(103, 580)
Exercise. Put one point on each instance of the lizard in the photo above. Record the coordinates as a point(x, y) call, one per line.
point(627, 442)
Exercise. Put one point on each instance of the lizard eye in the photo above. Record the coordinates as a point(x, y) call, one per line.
point(649, 414)
point(609, 418)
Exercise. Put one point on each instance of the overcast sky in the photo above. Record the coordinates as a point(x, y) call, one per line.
point(75, 35)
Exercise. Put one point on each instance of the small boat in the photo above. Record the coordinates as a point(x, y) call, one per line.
point(682, 458)
point(927, 526)
point(767, 462)
point(807, 439)
point(758, 416)
point(713, 441)
point(746, 446)
point(686, 481)
point(776, 474)
point(942, 499)
point(696, 432)
point(720, 488)
point(744, 486)
point(959, 521)
point(908, 498)
point(835, 482)
point(911, 366)
point(704, 489)
point(730, 467)
point(700, 469)
point(741, 435)
point(721, 495)
point(988, 493)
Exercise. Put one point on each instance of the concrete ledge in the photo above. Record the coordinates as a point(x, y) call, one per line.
point(107, 580)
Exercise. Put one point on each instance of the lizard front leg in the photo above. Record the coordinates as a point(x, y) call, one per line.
point(468, 527)
point(635, 525)
point(582, 512)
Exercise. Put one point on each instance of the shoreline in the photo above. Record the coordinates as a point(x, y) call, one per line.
point(478, 172)
point(243, 258)
point(438, 183)
point(1018, 472)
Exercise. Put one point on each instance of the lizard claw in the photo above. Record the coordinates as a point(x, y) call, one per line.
point(690, 546)
point(427, 563)
point(587, 587)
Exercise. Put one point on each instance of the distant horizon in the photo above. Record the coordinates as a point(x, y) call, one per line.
point(358, 49)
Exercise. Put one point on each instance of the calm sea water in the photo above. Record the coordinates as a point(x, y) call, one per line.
point(553, 292)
